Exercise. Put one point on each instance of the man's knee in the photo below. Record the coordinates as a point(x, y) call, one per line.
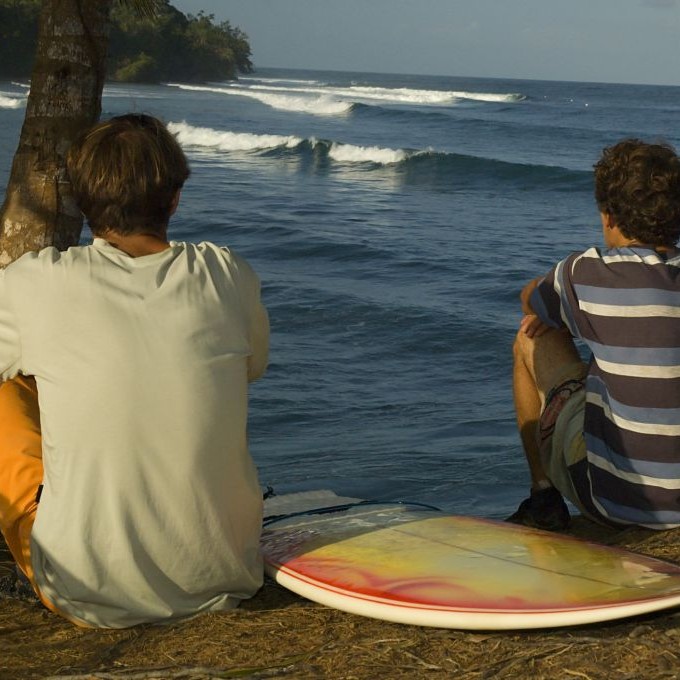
point(550, 358)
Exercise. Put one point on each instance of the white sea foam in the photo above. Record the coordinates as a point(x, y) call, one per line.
point(188, 135)
point(320, 105)
point(26, 86)
point(400, 95)
point(408, 95)
point(492, 97)
point(278, 80)
point(208, 138)
point(348, 153)
point(322, 100)
point(11, 102)
point(354, 94)
point(323, 105)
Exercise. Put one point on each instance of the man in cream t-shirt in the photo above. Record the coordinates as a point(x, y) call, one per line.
point(141, 351)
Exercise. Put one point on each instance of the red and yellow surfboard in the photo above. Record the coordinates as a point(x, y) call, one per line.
point(415, 565)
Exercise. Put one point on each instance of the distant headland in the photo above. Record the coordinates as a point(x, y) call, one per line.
point(171, 46)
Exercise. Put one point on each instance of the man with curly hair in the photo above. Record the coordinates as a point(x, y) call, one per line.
point(606, 434)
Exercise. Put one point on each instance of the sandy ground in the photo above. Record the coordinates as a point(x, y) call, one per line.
point(280, 635)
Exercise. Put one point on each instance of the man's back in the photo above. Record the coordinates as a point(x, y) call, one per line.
point(142, 367)
point(624, 303)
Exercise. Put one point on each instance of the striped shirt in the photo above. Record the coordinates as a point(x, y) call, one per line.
point(624, 303)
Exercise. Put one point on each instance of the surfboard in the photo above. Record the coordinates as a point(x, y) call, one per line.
point(413, 564)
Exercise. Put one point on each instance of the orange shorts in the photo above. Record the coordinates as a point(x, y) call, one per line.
point(21, 467)
point(21, 470)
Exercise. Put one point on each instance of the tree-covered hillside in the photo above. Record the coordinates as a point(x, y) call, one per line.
point(171, 46)
point(18, 24)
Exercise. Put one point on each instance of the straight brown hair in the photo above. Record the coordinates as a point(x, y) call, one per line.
point(125, 173)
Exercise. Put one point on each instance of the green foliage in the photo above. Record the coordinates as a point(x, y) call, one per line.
point(184, 48)
point(147, 8)
point(142, 69)
point(151, 41)
point(18, 28)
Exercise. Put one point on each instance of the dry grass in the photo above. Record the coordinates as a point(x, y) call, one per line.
point(280, 635)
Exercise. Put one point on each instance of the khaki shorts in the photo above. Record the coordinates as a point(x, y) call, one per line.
point(561, 431)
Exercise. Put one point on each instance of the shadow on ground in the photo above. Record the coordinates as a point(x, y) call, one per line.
point(280, 635)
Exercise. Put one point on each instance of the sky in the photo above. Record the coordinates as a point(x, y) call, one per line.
point(618, 41)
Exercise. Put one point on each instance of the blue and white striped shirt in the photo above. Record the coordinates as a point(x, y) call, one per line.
point(624, 303)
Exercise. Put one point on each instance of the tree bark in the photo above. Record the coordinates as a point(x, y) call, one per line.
point(65, 98)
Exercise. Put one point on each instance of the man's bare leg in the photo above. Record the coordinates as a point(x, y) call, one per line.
point(541, 363)
point(528, 410)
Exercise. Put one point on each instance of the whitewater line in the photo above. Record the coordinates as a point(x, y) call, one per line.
point(319, 106)
point(11, 102)
point(398, 95)
point(207, 138)
point(230, 141)
point(337, 101)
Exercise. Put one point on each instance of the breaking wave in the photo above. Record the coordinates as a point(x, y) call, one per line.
point(322, 105)
point(419, 166)
point(207, 138)
point(349, 153)
point(188, 135)
point(392, 94)
point(11, 102)
point(277, 81)
point(320, 99)
point(405, 95)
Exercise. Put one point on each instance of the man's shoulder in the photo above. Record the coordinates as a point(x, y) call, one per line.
point(626, 261)
point(36, 269)
point(32, 261)
point(46, 257)
point(591, 257)
point(210, 247)
point(588, 255)
point(222, 256)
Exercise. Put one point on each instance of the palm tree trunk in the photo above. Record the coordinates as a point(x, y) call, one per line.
point(65, 97)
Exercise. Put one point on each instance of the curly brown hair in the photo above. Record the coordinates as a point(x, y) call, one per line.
point(125, 173)
point(638, 184)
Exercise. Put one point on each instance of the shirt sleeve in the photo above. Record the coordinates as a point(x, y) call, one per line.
point(10, 345)
point(554, 300)
point(256, 317)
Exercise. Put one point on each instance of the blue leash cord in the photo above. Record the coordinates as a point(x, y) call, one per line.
point(340, 508)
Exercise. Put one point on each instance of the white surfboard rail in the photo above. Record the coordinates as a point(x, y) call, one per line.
point(417, 566)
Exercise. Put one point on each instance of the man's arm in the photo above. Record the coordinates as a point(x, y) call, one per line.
point(531, 323)
point(255, 315)
point(545, 300)
point(10, 346)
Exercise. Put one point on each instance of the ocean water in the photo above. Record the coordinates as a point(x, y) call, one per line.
point(393, 220)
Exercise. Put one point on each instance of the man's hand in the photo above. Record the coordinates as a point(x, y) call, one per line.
point(533, 326)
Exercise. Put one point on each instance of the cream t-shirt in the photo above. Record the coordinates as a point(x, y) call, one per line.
point(151, 507)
